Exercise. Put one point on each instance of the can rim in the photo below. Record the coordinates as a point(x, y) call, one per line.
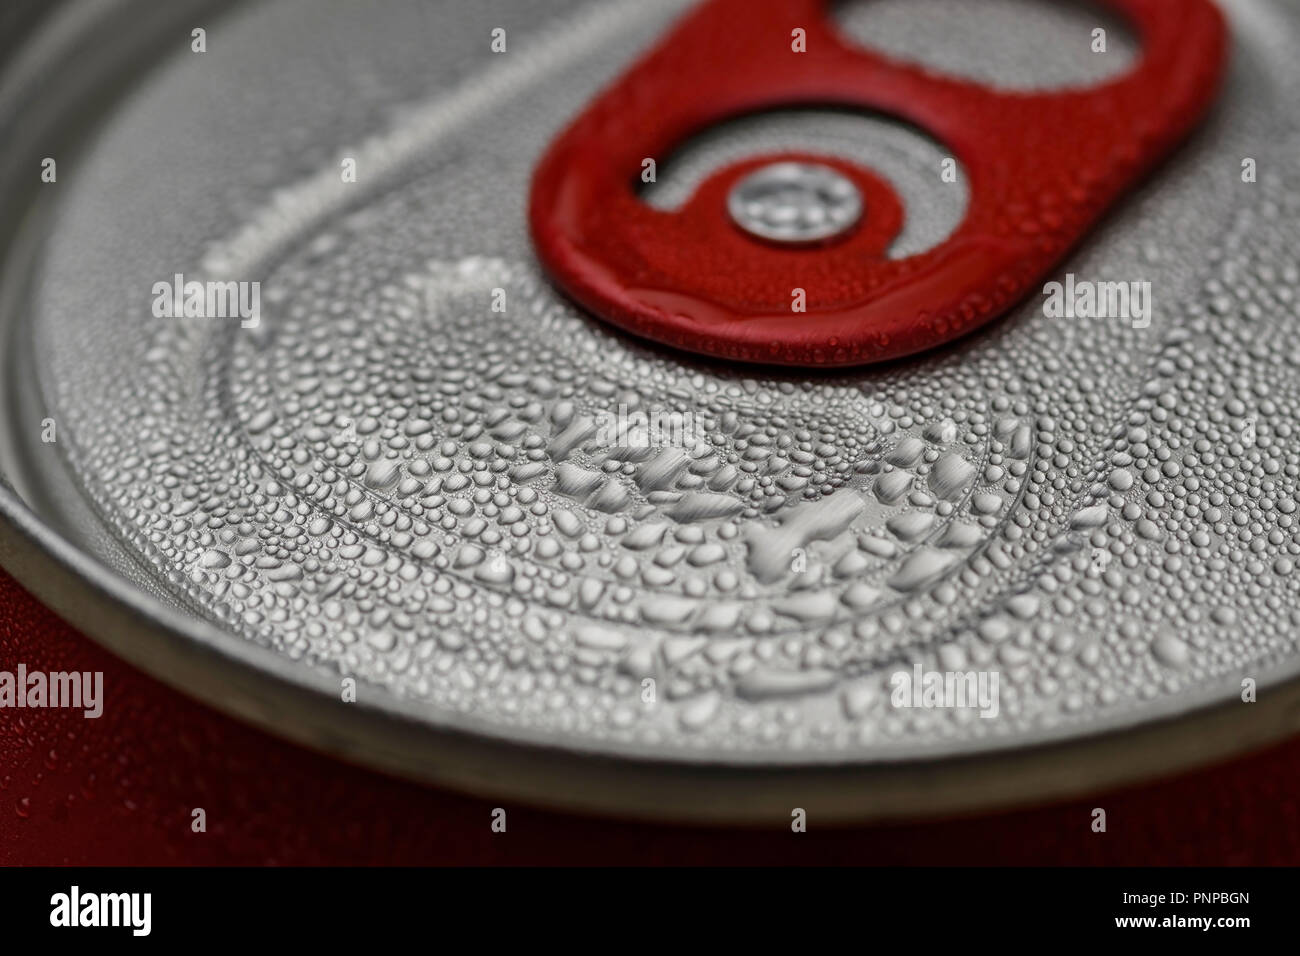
point(257, 685)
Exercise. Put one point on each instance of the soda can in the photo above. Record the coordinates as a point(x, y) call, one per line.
point(707, 411)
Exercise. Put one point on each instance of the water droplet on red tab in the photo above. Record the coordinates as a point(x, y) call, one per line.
point(1042, 168)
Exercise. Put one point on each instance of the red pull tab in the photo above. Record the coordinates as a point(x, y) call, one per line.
point(1041, 167)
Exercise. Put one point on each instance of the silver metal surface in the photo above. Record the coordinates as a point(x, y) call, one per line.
point(1007, 44)
point(422, 468)
point(795, 203)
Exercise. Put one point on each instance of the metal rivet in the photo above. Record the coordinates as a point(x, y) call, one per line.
point(795, 203)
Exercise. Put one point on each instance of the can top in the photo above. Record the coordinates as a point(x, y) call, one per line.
point(388, 450)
